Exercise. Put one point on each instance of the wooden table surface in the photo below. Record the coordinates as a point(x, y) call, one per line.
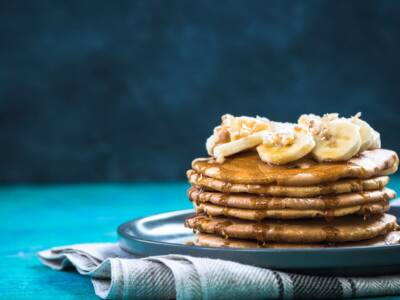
point(34, 218)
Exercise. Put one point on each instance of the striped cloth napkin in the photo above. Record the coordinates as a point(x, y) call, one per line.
point(116, 274)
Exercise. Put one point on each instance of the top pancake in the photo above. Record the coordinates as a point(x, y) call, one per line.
point(248, 168)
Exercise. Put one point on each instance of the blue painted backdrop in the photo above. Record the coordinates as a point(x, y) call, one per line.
point(129, 90)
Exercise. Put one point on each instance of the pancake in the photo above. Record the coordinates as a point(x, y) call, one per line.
point(210, 240)
point(248, 201)
point(261, 214)
point(248, 168)
point(344, 229)
point(341, 186)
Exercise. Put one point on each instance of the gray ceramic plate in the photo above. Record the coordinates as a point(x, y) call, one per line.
point(165, 234)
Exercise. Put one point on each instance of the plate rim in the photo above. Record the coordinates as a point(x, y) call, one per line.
point(328, 250)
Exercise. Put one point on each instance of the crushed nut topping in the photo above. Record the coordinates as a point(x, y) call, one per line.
point(281, 134)
point(239, 127)
point(234, 128)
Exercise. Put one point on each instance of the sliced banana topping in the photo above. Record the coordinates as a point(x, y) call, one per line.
point(236, 134)
point(326, 138)
point(338, 140)
point(224, 150)
point(311, 121)
point(366, 132)
point(376, 141)
point(281, 149)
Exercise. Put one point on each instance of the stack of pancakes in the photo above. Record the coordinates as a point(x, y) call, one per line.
point(245, 202)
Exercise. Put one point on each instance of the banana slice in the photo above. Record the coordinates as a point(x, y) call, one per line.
point(210, 144)
point(279, 154)
point(366, 133)
point(376, 140)
point(309, 120)
point(220, 135)
point(339, 140)
point(227, 149)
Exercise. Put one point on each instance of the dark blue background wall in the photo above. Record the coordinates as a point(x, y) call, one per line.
point(129, 90)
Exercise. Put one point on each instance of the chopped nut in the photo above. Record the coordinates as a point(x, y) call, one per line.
point(234, 128)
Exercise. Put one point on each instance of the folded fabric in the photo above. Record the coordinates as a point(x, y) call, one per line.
point(116, 274)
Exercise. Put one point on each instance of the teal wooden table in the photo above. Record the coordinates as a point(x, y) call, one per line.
point(34, 218)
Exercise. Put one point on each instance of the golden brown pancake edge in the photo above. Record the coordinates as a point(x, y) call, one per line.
point(344, 229)
point(257, 215)
point(338, 187)
point(324, 202)
point(211, 240)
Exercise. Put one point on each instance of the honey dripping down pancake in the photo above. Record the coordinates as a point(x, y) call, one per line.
point(211, 240)
point(344, 229)
point(258, 215)
point(338, 187)
point(248, 168)
point(259, 202)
